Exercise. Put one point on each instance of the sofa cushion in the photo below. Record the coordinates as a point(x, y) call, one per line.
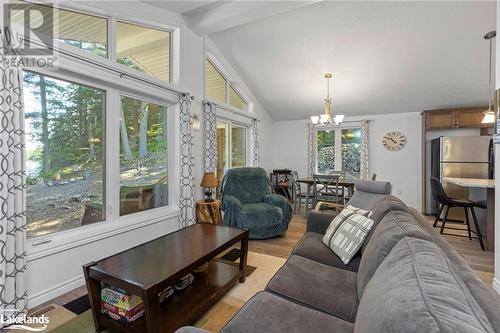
point(266, 312)
point(311, 247)
point(350, 236)
point(380, 209)
point(329, 289)
point(417, 289)
point(261, 218)
point(389, 232)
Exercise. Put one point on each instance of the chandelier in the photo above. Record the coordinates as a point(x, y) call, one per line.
point(327, 118)
point(489, 115)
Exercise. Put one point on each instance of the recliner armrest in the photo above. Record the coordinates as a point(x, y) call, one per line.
point(319, 221)
point(230, 202)
point(276, 200)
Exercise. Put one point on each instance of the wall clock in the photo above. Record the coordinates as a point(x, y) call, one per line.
point(394, 141)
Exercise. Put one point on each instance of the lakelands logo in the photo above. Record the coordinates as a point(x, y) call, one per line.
point(9, 321)
point(27, 36)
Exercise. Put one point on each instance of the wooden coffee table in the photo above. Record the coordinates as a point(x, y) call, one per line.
point(147, 269)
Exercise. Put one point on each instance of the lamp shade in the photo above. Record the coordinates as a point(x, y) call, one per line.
point(209, 180)
point(489, 117)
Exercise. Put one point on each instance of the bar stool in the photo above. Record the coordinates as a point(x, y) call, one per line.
point(443, 200)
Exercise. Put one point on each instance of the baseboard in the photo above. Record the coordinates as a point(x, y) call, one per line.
point(55, 291)
point(496, 285)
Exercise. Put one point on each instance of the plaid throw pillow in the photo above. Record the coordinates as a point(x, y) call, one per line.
point(339, 219)
point(350, 236)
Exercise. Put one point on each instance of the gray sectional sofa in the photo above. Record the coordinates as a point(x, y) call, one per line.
point(406, 278)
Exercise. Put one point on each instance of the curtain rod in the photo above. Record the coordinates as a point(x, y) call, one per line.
point(104, 66)
point(231, 109)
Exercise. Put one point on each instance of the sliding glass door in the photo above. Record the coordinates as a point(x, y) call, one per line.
point(232, 147)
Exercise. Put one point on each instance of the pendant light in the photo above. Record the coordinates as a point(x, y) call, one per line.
point(327, 118)
point(489, 115)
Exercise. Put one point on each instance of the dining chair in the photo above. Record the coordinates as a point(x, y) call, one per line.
point(298, 195)
point(327, 189)
point(444, 201)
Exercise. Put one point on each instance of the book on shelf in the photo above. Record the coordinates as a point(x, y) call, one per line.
point(123, 319)
point(106, 307)
point(120, 298)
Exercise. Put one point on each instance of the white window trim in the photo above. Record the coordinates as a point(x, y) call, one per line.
point(338, 139)
point(110, 61)
point(80, 72)
point(243, 125)
point(229, 83)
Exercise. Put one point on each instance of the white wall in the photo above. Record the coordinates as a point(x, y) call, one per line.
point(52, 271)
point(402, 168)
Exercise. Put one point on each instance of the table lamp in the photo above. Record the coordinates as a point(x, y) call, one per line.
point(209, 180)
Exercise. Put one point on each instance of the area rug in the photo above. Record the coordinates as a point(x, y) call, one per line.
point(219, 314)
point(57, 316)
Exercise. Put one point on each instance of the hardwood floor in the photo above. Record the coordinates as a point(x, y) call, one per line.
point(482, 262)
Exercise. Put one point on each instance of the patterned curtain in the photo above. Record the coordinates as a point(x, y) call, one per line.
point(13, 289)
point(255, 143)
point(210, 137)
point(186, 193)
point(311, 151)
point(364, 150)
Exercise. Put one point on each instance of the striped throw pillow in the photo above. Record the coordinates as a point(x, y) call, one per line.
point(350, 236)
point(337, 221)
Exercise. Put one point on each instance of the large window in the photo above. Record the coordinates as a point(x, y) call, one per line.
point(65, 143)
point(218, 88)
point(144, 49)
point(97, 146)
point(343, 142)
point(143, 156)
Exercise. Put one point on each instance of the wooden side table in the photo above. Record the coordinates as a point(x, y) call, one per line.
point(208, 212)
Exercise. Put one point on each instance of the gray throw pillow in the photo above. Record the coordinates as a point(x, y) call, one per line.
point(337, 221)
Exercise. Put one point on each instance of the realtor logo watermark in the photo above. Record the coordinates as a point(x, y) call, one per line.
point(27, 35)
point(10, 321)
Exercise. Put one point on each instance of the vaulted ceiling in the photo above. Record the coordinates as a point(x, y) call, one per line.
point(386, 57)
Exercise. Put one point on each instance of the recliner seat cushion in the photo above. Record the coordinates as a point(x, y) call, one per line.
point(417, 289)
point(261, 218)
point(329, 289)
point(393, 227)
point(266, 312)
point(380, 209)
point(311, 246)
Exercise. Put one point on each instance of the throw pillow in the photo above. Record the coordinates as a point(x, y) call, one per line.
point(337, 221)
point(359, 211)
point(350, 236)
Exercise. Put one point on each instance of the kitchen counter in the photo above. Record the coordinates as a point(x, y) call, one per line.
point(472, 182)
point(475, 184)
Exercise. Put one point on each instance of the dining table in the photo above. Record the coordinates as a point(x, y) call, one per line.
point(476, 188)
point(309, 181)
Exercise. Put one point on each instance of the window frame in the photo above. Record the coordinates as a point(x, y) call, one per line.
point(231, 124)
point(337, 143)
point(111, 60)
point(78, 70)
point(229, 84)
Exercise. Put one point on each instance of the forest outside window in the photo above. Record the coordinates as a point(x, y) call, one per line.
point(143, 156)
point(64, 124)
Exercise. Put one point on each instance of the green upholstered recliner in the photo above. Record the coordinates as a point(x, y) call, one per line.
point(248, 203)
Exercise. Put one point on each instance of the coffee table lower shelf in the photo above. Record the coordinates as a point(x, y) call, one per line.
point(188, 305)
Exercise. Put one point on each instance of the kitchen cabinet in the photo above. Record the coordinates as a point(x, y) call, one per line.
point(455, 118)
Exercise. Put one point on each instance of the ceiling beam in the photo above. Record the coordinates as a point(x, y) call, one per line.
point(233, 14)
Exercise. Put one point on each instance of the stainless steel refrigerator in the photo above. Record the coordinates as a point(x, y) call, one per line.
point(460, 157)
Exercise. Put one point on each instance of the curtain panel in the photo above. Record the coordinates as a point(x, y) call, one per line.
point(186, 167)
point(311, 149)
point(364, 167)
point(209, 137)
point(255, 143)
point(13, 288)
